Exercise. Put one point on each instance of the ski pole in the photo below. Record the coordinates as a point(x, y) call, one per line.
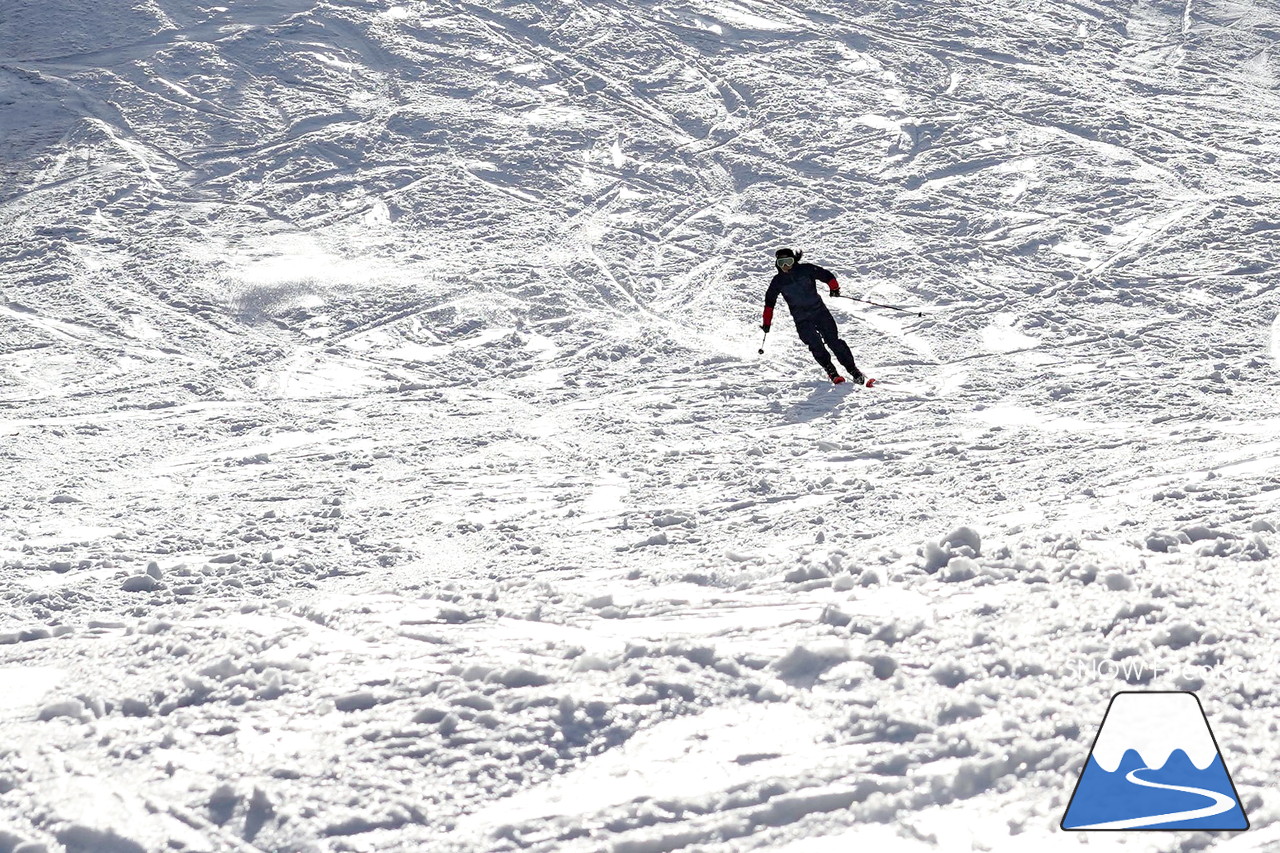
point(762, 340)
point(878, 305)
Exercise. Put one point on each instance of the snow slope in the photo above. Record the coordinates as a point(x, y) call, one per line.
point(388, 465)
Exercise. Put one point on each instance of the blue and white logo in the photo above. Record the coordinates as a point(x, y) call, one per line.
point(1155, 765)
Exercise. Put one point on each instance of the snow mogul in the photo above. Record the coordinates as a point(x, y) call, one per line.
point(798, 285)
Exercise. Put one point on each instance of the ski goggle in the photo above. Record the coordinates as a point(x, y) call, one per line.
point(786, 263)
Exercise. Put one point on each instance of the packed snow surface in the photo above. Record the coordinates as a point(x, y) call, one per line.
point(388, 464)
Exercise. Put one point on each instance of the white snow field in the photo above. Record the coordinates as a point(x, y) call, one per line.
point(387, 465)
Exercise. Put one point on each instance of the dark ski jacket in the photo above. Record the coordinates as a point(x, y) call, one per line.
point(799, 288)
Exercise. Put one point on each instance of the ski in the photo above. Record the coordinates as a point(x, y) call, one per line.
point(867, 381)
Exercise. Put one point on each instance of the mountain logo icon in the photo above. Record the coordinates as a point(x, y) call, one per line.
point(1155, 765)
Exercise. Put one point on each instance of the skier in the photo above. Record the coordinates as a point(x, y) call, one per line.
point(797, 283)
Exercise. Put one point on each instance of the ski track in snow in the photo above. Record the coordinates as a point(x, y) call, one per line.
point(388, 465)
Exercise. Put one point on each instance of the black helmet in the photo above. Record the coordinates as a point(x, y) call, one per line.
point(786, 254)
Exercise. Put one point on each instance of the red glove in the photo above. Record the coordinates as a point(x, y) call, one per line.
point(835, 287)
point(768, 319)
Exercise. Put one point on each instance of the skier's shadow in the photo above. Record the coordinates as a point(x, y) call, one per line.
point(822, 400)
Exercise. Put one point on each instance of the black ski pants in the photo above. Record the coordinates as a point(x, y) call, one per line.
point(818, 331)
